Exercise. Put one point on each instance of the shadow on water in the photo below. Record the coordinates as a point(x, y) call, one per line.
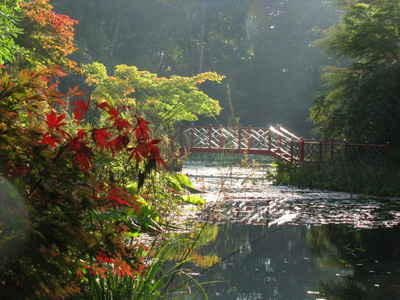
point(268, 242)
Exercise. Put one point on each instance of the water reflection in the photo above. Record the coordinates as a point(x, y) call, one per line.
point(285, 243)
point(301, 262)
point(372, 256)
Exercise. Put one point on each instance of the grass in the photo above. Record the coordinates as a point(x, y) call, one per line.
point(155, 283)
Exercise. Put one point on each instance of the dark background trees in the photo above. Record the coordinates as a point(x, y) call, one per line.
point(262, 47)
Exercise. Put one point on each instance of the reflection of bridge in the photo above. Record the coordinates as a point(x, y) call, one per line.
point(276, 142)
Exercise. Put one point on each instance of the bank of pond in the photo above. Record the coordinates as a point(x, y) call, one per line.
point(370, 179)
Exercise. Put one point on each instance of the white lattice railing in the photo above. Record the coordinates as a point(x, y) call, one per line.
point(275, 141)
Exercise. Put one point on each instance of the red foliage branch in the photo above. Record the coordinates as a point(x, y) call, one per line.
point(51, 160)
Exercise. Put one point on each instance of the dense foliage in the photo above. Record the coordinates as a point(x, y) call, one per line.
point(361, 100)
point(163, 101)
point(57, 204)
point(81, 177)
point(34, 35)
point(47, 37)
point(8, 29)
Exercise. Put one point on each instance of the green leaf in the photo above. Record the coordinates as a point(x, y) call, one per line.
point(194, 199)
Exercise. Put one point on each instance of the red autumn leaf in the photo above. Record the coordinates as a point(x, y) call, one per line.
point(49, 140)
point(119, 143)
point(103, 106)
point(75, 92)
point(161, 161)
point(83, 159)
point(81, 108)
point(117, 196)
point(83, 154)
point(142, 131)
point(155, 154)
point(155, 141)
point(78, 115)
point(121, 124)
point(54, 95)
point(52, 87)
point(147, 150)
point(54, 121)
point(113, 113)
point(122, 269)
point(101, 137)
point(104, 258)
point(82, 134)
point(138, 153)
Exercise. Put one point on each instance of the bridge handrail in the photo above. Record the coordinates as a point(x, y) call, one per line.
point(287, 132)
point(277, 142)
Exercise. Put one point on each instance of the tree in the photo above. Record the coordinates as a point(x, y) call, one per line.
point(163, 101)
point(361, 99)
point(8, 29)
point(47, 37)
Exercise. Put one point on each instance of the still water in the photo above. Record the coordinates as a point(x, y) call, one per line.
point(268, 242)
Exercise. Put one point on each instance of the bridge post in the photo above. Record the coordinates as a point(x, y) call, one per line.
point(192, 137)
point(269, 140)
point(209, 136)
point(301, 150)
point(332, 149)
point(388, 154)
point(366, 153)
point(346, 151)
point(249, 141)
point(239, 137)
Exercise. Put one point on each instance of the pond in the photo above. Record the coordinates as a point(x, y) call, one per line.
point(269, 242)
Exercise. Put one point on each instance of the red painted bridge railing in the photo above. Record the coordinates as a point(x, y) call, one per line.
point(276, 142)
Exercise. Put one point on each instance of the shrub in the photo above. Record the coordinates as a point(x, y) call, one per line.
point(57, 207)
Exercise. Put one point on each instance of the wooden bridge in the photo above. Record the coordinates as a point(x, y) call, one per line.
point(276, 142)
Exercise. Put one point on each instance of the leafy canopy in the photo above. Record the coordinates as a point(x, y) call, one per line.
point(163, 101)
